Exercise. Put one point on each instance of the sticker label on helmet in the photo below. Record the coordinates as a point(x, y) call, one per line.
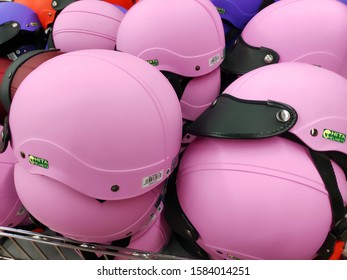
point(152, 179)
point(334, 135)
point(213, 60)
point(154, 62)
point(41, 162)
point(221, 11)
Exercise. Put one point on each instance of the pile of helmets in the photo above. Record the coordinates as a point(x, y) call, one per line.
point(221, 122)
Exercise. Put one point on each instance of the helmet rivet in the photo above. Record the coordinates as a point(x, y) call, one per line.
point(188, 233)
point(15, 25)
point(268, 58)
point(214, 103)
point(54, 3)
point(314, 132)
point(197, 68)
point(50, 14)
point(115, 188)
point(283, 116)
point(168, 171)
point(22, 154)
point(27, 25)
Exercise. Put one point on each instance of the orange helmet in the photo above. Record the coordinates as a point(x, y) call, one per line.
point(124, 3)
point(46, 9)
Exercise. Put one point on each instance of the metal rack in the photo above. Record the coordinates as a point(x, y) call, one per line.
point(27, 245)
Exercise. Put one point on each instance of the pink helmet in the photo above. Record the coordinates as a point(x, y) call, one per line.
point(255, 199)
point(283, 187)
point(12, 211)
point(87, 25)
point(185, 37)
point(81, 217)
point(154, 238)
point(293, 30)
point(119, 128)
point(199, 93)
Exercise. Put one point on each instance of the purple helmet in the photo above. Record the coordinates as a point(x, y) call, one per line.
point(20, 30)
point(236, 13)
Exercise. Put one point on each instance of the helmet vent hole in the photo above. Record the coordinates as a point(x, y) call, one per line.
point(101, 200)
point(197, 68)
point(187, 136)
point(314, 132)
point(219, 252)
point(115, 188)
point(22, 154)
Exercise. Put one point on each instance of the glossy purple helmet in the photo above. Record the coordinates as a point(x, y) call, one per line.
point(20, 30)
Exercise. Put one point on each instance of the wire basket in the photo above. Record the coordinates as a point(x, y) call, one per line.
point(18, 244)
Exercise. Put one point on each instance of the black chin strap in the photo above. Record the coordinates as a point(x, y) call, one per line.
point(322, 162)
point(339, 223)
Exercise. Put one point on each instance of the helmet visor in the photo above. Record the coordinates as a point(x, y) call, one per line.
point(242, 58)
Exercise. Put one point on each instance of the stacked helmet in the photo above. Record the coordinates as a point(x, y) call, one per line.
point(12, 211)
point(46, 10)
point(19, 70)
point(255, 193)
point(184, 37)
point(119, 130)
point(94, 220)
point(87, 25)
point(185, 40)
point(154, 238)
point(4, 64)
point(20, 30)
point(286, 31)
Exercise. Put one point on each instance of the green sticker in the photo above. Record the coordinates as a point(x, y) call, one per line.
point(334, 135)
point(221, 11)
point(38, 161)
point(154, 62)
